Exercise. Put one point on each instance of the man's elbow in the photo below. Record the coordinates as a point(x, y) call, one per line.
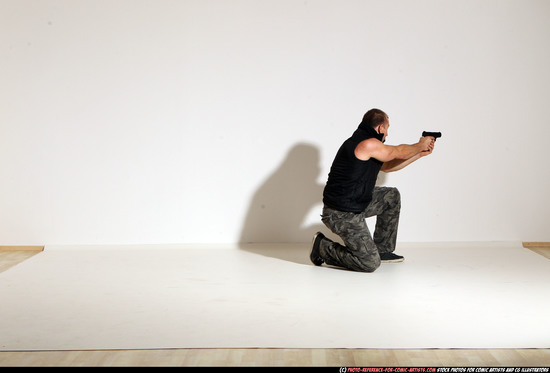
point(387, 168)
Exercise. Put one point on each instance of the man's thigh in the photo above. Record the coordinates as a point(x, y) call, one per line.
point(383, 198)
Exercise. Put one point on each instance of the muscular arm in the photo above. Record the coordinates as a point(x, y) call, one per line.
point(398, 164)
point(394, 157)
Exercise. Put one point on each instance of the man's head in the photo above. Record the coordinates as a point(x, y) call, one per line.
point(377, 119)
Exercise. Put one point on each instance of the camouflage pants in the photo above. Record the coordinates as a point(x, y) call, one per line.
point(362, 252)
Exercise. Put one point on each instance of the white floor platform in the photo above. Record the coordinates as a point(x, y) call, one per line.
point(442, 296)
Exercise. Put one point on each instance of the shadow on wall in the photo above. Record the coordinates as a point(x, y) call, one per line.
point(280, 206)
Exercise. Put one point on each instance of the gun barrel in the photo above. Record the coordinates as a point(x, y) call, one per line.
point(434, 134)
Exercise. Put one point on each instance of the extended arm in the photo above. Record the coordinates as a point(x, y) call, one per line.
point(399, 164)
point(373, 148)
point(394, 157)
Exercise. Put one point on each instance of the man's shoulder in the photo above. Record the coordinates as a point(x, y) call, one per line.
point(367, 148)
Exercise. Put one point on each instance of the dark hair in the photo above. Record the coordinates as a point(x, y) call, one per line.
point(374, 117)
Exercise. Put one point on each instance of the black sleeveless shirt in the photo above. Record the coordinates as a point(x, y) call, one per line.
point(351, 180)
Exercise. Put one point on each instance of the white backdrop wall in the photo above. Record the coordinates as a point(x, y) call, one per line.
point(215, 121)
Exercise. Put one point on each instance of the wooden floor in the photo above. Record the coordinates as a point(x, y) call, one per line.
point(273, 357)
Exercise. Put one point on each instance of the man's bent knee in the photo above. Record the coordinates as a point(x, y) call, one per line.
point(370, 265)
point(395, 195)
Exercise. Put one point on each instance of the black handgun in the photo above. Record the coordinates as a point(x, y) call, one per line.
point(435, 135)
